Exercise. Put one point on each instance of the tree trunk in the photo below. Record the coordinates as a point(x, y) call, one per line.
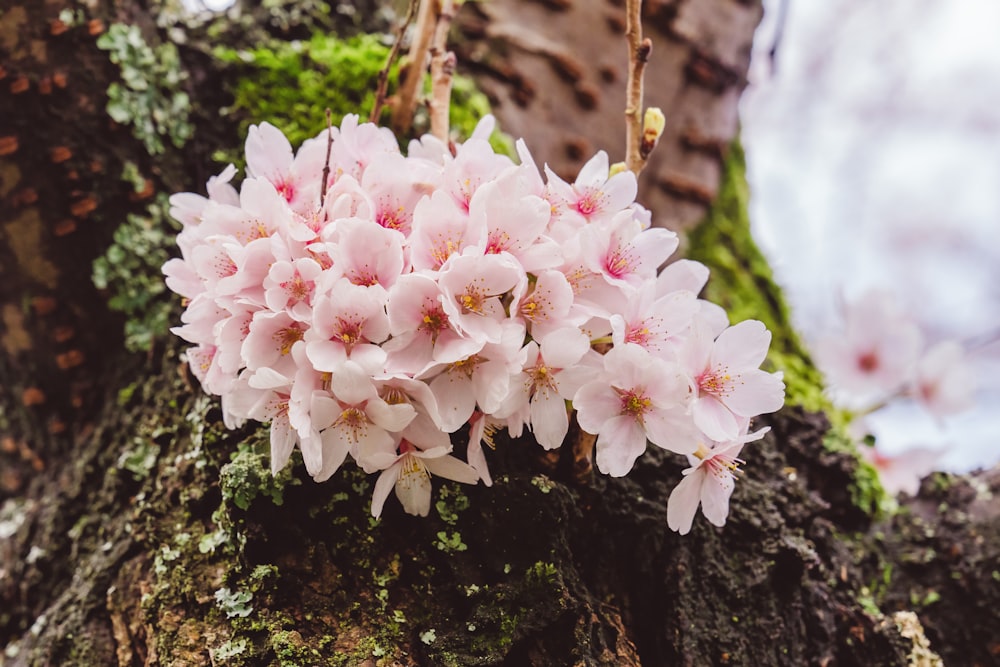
point(136, 530)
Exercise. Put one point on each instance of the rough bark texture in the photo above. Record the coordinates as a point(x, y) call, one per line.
point(561, 65)
point(136, 530)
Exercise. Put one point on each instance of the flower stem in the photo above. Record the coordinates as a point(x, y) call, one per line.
point(383, 75)
point(402, 114)
point(638, 51)
point(443, 64)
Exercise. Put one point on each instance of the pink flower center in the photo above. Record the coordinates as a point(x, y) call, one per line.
point(536, 307)
point(258, 230)
point(498, 242)
point(643, 333)
point(542, 377)
point(619, 262)
point(298, 289)
point(467, 366)
point(348, 332)
point(281, 406)
point(354, 421)
point(286, 189)
point(434, 320)
point(391, 218)
point(718, 382)
point(364, 277)
point(722, 466)
point(225, 266)
point(590, 202)
point(868, 362)
point(287, 337)
point(719, 464)
point(473, 299)
point(322, 258)
point(442, 249)
point(634, 403)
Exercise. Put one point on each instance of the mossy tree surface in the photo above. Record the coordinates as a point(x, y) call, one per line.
point(138, 530)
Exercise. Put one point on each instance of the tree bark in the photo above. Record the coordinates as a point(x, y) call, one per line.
point(136, 530)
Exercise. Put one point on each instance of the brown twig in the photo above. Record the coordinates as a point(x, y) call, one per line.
point(402, 112)
point(326, 164)
point(383, 75)
point(639, 49)
point(443, 64)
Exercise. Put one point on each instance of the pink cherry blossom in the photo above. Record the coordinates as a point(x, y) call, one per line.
point(421, 330)
point(188, 207)
point(709, 482)
point(354, 418)
point(655, 324)
point(729, 386)
point(482, 428)
point(471, 287)
point(594, 194)
point(367, 253)
point(875, 355)
point(548, 305)
point(442, 229)
point(358, 145)
point(638, 397)
point(514, 221)
point(409, 473)
point(475, 163)
point(273, 407)
point(396, 185)
point(901, 473)
point(623, 253)
point(349, 323)
point(551, 375)
point(270, 337)
point(944, 383)
point(291, 285)
point(481, 379)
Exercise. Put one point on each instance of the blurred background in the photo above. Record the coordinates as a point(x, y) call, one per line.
point(873, 147)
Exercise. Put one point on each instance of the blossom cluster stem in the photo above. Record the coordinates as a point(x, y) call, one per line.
point(325, 182)
point(443, 64)
point(383, 75)
point(402, 113)
point(639, 49)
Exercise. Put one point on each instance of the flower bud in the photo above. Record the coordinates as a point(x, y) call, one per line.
point(653, 122)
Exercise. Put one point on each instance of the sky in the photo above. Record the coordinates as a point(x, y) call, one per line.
point(873, 147)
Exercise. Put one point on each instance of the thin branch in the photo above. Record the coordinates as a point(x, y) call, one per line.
point(638, 53)
point(443, 64)
point(383, 76)
point(402, 113)
point(772, 54)
point(326, 165)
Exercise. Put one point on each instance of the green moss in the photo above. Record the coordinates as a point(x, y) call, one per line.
point(290, 84)
point(149, 98)
point(867, 492)
point(451, 500)
point(743, 284)
point(248, 475)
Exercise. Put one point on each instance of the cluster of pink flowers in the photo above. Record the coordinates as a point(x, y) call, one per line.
point(373, 315)
point(880, 355)
point(880, 358)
